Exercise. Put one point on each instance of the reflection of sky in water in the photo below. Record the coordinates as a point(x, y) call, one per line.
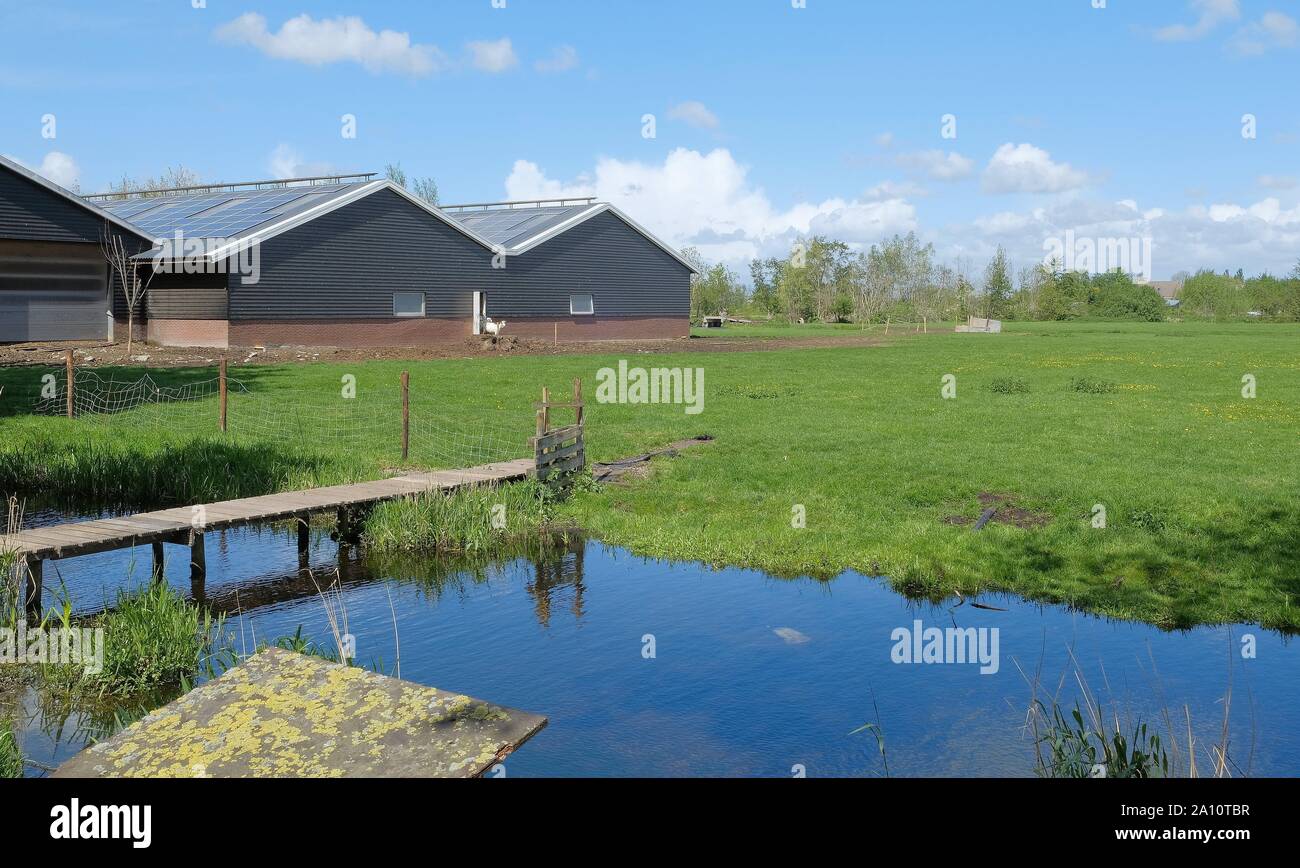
point(726, 694)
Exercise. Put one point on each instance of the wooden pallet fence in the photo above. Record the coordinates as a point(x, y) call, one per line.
point(560, 450)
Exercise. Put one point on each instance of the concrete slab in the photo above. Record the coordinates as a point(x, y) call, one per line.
point(281, 714)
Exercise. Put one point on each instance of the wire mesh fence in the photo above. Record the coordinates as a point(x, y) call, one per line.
point(322, 420)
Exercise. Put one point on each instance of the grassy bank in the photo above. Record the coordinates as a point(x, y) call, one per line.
point(1197, 482)
point(468, 521)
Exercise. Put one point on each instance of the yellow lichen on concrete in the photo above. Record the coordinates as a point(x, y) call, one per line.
point(286, 715)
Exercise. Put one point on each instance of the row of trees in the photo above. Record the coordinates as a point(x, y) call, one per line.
point(901, 279)
point(1208, 295)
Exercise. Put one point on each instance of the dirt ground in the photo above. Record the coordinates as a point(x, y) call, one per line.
point(95, 354)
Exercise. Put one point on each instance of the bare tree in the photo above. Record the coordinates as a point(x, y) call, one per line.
point(423, 188)
point(124, 270)
point(174, 176)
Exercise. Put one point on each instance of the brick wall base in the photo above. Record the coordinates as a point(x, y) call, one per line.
point(189, 332)
point(412, 332)
point(425, 331)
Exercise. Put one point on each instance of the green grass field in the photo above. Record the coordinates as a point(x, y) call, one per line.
point(1198, 483)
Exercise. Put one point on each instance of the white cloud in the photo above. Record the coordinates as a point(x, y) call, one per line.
point(1210, 14)
point(707, 201)
point(1277, 182)
point(495, 56)
point(696, 114)
point(885, 140)
point(61, 169)
point(334, 40)
point(564, 58)
point(1261, 236)
point(895, 190)
point(1024, 168)
point(286, 162)
point(1273, 30)
point(56, 166)
point(937, 165)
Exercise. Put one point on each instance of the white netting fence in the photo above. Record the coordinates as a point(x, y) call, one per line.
point(322, 420)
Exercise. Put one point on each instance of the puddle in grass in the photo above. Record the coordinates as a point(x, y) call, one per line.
point(751, 675)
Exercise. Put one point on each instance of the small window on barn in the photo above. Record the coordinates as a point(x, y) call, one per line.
point(581, 305)
point(408, 304)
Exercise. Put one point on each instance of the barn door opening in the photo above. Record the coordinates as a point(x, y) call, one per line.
point(480, 311)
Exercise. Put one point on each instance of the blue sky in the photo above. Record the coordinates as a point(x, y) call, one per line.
point(770, 121)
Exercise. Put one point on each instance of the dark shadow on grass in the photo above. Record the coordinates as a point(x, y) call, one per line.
point(90, 476)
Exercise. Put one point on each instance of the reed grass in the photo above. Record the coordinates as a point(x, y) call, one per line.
point(466, 521)
point(11, 757)
point(153, 639)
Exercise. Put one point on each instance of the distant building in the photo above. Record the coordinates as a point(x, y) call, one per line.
point(338, 261)
point(1170, 290)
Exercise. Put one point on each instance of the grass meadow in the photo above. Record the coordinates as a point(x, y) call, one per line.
point(1050, 421)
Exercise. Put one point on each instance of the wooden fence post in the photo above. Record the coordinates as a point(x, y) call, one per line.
point(221, 386)
point(546, 409)
point(67, 358)
point(406, 414)
point(577, 400)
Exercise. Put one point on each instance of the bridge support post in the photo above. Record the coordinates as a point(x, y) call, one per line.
point(158, 561)
point(33, 570)
point(347, 526)
point(198, 557)
point(304, 541)
point(198, 566)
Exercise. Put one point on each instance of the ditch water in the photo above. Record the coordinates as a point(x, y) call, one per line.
point(750, 675)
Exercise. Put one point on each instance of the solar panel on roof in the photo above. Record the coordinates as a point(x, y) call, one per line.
point(221, 214)
point(515, 226)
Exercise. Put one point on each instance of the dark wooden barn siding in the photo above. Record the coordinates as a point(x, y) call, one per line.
point(347, 264)
point(626, 273)
point(187, 296)
point(29, 211)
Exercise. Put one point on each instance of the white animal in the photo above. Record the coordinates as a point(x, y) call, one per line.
point(494, 328)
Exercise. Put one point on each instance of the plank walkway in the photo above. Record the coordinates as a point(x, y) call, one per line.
point(187, 525)
point(285, 715)
point(88, 537)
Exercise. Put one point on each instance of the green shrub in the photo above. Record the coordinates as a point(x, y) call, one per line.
point(1009, 386)
point(1089, 386)
point(1117, 297)
point(153, 638)
point(1078, 750)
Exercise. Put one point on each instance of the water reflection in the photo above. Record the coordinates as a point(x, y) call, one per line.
point(556, 626)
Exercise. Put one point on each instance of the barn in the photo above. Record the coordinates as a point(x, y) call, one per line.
point(356, 261)
point(55, 283)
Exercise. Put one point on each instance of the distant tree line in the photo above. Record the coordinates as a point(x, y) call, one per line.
point(900, 279)
point(1207, 295)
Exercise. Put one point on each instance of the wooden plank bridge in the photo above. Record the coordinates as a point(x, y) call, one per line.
point(187, 525)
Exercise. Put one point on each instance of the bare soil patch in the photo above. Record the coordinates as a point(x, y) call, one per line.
point(638, 466)
point(1005, 512)
point(95, 354)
